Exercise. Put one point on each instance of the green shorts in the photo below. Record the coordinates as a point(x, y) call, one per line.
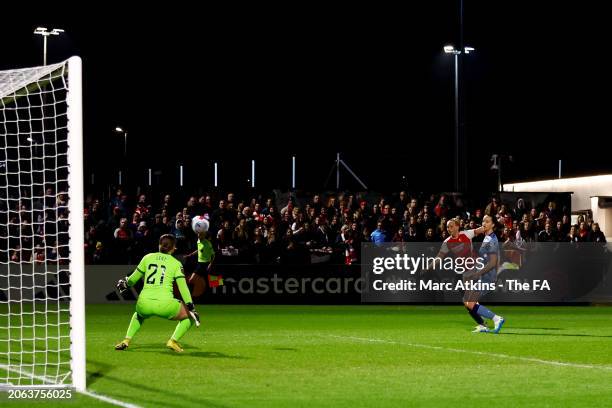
point(165, 308)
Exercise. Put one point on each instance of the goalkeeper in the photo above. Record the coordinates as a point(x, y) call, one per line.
point(160, 270)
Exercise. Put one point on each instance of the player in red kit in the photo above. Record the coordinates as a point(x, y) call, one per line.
point(459, 245)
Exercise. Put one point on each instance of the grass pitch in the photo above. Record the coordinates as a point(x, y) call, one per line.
point(351, 356)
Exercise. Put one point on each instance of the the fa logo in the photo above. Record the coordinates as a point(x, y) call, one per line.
point(540, 285)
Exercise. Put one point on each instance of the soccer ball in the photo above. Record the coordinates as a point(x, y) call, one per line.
point(199, 224)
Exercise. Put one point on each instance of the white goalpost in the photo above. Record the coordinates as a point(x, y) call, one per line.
point(42, 286)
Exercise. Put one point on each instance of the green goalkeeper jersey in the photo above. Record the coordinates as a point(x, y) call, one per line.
point(159, 271)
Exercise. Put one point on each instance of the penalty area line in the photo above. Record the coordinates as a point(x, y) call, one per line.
point(474, 352)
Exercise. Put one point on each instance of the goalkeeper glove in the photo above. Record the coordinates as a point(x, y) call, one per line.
point(194, 315)
point(122, 285)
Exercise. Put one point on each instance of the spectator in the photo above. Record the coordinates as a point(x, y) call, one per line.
point(478, 216)
point(39, 254)
point(142, 243)
point(259, 247)
point(559, 234)
point(99, 255)
point(158, 228)
point(566, 224)
point(205, 205)
point(403, 203)
point(114, 202)
point(430, 235)
point(376, 212)
point(507, 236)
point(492, 207)
point(91, 238)
point(16, 255)
point(123, 206)
point(123, 242)
point(142, 207)
point(394, 219)
point(399, 236)
point(428, 222)
point(551, 211)
point(266, 208)
point(531, 218)
point(378, 236)
point(224, 237)
point(52, 256)
point(596, 234)
point(219, 215)
point(507, 221)
point(412, 234)
point(306, 235)
point(573, 236)
point(316, 203)
point(49, 198)
point(241, 235)
point(257, 211)
point(180, 231)
point(192, 207)
point(334, 225)
point(288, 208)
point(441, 209)
point(115, 219)
point(520, 209)
point(167, 205)
point(583, 232)
point(273, 243)
point(345, 244)
point(356, 234)
point(322, 235)
point(96, 213)
point(135, 222)
point(363, 207)
point(540, 222)
point(472, 224)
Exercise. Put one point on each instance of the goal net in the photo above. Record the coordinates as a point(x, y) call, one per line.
point(42, 323)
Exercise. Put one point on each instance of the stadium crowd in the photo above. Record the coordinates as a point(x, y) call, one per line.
point(321, 228)
point(318, 229)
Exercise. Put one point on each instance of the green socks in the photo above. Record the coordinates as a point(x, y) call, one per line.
point(181, 329)
point(135, 324)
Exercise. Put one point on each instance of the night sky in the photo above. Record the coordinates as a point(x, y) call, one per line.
point(193, 87)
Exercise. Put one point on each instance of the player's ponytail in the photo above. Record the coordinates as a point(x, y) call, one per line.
point(498, 227)
point(167, 243)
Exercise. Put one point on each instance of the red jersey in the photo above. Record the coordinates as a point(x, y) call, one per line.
point(460, 246)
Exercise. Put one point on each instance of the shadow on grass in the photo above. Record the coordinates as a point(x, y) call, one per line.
point(212, 354)
point(538, 328)
point(552, 334)
point(141, 388)
point(190, 351)
point(284, 349)
point(100, 370)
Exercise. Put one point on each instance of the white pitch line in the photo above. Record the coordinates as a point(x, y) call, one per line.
point(33, 376)
point(480, 353)
point(88, 393)
point(109, 399)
